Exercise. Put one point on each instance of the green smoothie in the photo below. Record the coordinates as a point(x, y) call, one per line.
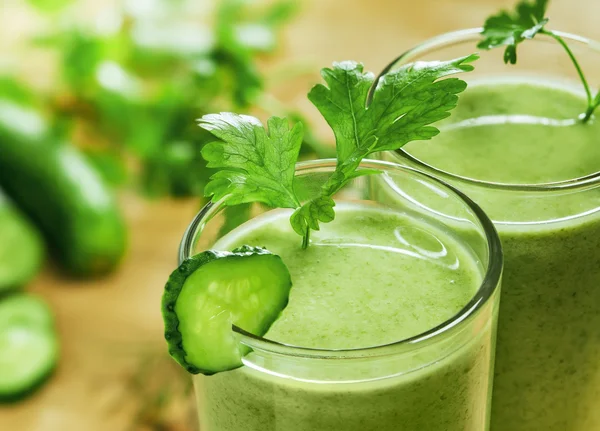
point(369, 278)
point(547, 374)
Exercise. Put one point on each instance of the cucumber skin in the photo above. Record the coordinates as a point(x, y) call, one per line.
point(171, 293)
point(53, 183)
point(169, 299)
point(29, 235)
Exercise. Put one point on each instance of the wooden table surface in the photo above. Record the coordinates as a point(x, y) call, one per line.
point(109, 328)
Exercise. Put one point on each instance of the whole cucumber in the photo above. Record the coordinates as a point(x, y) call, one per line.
point(54, 184)
point(21, 247)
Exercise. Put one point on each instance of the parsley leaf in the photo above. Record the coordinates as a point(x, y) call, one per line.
point(310, 214)
point(509, 29)
point(258, 165)
point(255, 165)
point(404, 104)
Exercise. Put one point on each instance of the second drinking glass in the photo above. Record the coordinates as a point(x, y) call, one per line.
point(515, 146)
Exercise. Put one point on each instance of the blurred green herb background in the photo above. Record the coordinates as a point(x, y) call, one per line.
point(129, 89)
point(122, 99)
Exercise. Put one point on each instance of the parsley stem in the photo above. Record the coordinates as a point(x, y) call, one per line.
point(306, 239)
point(591, 107)
point(588, 113)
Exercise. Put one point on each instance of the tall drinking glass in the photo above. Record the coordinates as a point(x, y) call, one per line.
point(436, 378)
point(515, 146)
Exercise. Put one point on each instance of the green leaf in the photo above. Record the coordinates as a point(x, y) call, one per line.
point(255, 165)
point(343, 105)
point(405, 103)
point(311, 213)
point(511, 28)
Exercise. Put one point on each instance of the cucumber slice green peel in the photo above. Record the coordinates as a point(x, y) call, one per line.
point(29, 347)
point(211, 291)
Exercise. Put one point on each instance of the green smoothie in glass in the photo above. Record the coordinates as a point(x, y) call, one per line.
point(516, 145)
point(330, 310)
point(370, 278)
point(398, 275)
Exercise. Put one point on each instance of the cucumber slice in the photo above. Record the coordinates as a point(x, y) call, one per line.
point(27, 357)
point(21, 249)
point(25, 310)
point(28, 345)
point(209, 292)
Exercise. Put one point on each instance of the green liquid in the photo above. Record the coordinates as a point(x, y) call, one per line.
point(371, 277)
point(515, 133)
point(547, 374)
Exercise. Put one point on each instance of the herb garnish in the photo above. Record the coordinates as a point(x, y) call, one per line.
point(529, 19)
point(257, 165)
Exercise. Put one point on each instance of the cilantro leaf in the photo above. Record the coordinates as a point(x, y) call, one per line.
point(255, 165)
point(509, 29)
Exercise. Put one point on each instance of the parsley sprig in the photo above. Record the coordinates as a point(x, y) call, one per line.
point(258, 165)
point(509, 29)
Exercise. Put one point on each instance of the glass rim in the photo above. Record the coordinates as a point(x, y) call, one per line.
point(487, 287)
point(472, 35)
